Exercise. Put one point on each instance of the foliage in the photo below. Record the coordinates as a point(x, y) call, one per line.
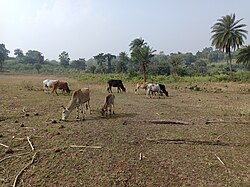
point(79, 64)
point(228, 34)
point(142, 53)
point(243, 56)
point(64, 59)
point(3, 55)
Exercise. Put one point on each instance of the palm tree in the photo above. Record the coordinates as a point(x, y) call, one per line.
point(228, 34)
point(137, 43)
point(143, 55)
point(243, 56)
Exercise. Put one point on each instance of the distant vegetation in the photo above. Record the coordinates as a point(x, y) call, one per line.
point(228, 62)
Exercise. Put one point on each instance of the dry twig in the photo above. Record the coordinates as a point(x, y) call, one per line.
point(32, 147)
point(4, 145)
point(220, 160)
point(22, 170)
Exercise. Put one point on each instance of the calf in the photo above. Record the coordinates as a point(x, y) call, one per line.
point(108, 105)
point(78, 99)
point(159, 88)
point(61, 86)
point(115, 83)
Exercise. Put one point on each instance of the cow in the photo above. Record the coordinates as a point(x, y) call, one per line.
point(48, 84)
point(61, 86)
point(78, 99)
point(156, 88)
point(108, 105)
point(115, 83)
point(141, 85)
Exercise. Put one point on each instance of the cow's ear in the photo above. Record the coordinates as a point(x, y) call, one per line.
point(63, 107)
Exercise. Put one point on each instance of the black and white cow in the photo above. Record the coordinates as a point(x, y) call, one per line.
point(156, 88)
point(115, 83)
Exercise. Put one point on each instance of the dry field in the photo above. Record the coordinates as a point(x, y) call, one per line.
point(212, 149)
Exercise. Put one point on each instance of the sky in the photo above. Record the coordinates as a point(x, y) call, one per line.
point(85, 28)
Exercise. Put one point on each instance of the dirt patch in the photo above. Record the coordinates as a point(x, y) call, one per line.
point(112, 152)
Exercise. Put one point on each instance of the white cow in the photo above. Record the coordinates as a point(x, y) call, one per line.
point(159, 88)
point(48, 84)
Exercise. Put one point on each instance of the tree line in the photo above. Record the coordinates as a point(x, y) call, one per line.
point(227, 37)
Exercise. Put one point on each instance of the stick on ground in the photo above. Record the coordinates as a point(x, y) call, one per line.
point(32, 147)
point(22, 170)
point(4, 145)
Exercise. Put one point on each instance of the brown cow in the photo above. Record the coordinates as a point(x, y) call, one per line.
point(61, 86)
point(78, 99)
point(141, 85)
point(108, 105)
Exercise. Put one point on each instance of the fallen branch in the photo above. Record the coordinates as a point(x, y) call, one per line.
point(220, 160)
point(22, 170)
point(86, 146)
point(30, 144)
point(192, 142)
point(4, 145)
point(163, 121)
point(232, 122)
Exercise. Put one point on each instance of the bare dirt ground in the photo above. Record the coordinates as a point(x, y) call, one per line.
point(213, 149)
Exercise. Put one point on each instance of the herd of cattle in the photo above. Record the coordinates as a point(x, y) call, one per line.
point(80, 98)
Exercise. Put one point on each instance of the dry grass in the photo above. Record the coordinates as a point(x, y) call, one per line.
point(131, 154)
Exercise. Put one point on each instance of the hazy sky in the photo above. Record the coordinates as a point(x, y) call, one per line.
point(84, 28)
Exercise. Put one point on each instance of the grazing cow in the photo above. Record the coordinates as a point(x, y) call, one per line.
point(78, 99)
point(159, 88)
point(115, 83)
point(61, 86)
point(48, 84)
point(141, 85)
point(108, 105)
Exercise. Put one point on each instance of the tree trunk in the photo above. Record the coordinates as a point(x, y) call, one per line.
point(230, 65)
point(144, 72)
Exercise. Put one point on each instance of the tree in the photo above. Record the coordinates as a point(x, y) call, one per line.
point(175, 60)
point(38, 67)
point(3, 55)
point(79, 64)
point(121, 65)
point(142, 53)
point(137, 43)
point(109, 58)
point(228, 34)
point(100, 59)
point(243, 56)
point(64, 59)
point(18, 53)
point(34, 57)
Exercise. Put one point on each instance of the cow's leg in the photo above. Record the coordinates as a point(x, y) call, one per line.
point(54, 90)
point(113, 106)
point(82, 111)
point(77, 112)
point(88, 105)
point(109, 111)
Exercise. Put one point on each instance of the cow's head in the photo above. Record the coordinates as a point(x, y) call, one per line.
point(123, 88)
point(103, 111)
point(65, 113)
